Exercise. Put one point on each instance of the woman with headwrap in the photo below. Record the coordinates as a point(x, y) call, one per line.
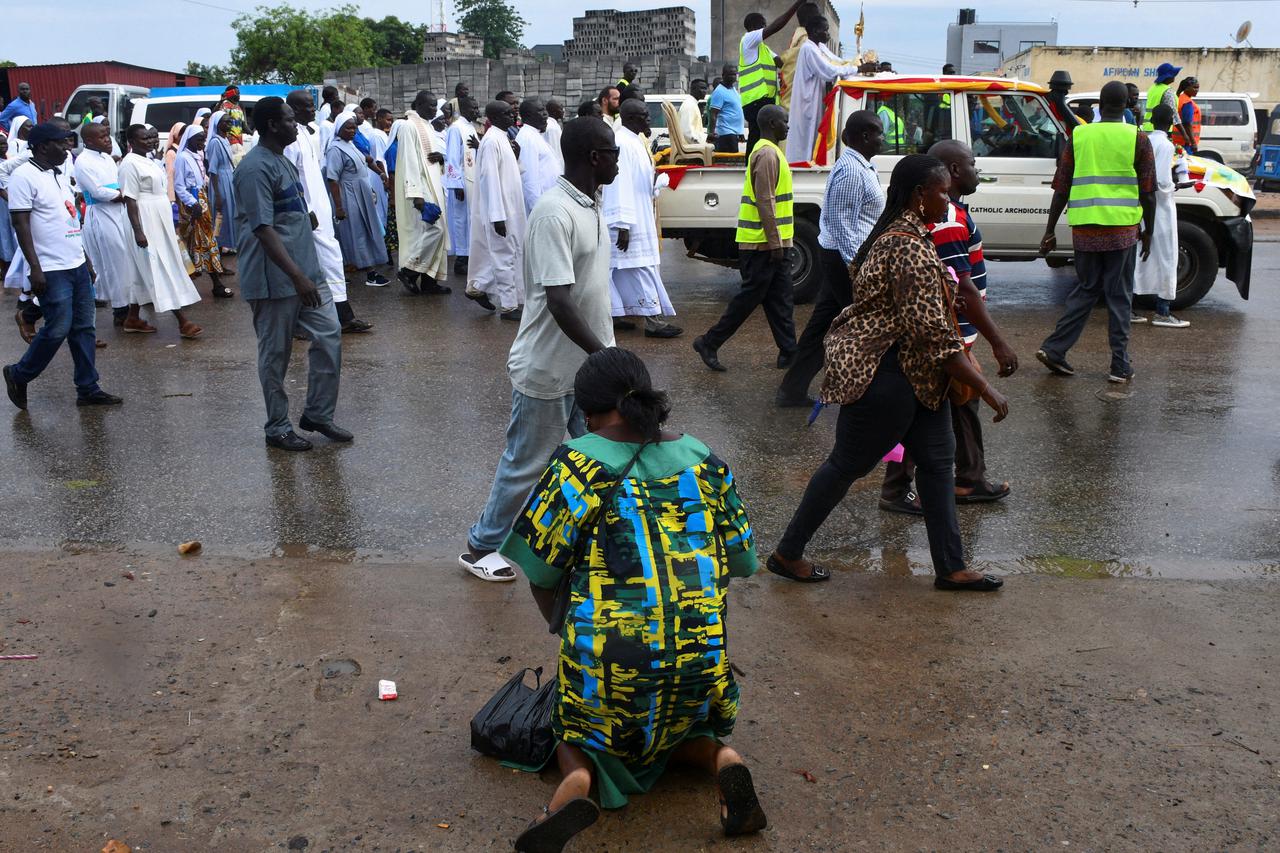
point(195, 216)
point(231, 106)
point(171, 155)
point(347, 176)
point(217, 157)
point(19, 130)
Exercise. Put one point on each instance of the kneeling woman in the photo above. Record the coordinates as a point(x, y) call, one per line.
point(890, 358)
point(646, 528)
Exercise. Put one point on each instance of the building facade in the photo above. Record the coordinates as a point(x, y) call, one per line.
point(982, 48)
point(1220, 69)
point(669, 31)
point(726, 26)
point(51, 85)
point(440, 47)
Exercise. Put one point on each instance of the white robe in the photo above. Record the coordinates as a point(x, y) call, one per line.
point(635, 279)
point(304, 154)
point(159, 274)
point(554, 132)
point(815, 69)
point(108, 236)
point(423, 246)
point(496, 263)
point(538, 166)
point(379, 142)
point(1158, 274)
point(459, 174)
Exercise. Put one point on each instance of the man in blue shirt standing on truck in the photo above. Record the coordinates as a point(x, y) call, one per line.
point(19, 106)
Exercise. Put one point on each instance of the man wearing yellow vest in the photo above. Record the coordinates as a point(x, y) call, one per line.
point(765, 228)
point(1106, 181)
point(758, 68)
point(1161, 92)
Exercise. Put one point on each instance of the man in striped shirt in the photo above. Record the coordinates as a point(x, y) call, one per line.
point(959, 245)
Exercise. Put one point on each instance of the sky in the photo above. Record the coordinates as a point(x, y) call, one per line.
point(912, 35)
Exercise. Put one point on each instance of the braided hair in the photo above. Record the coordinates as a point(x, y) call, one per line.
point(614, 378)
point(912, 171)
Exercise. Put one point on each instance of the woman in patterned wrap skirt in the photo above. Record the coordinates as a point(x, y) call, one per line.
point(644, 675)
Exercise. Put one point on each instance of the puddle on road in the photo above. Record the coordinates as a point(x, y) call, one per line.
point(337, 678)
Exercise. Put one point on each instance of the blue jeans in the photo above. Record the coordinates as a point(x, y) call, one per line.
point(537, 428)
point(68, 309)
point(1162, 307)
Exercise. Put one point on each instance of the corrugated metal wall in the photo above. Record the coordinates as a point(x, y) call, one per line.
point(51, 85)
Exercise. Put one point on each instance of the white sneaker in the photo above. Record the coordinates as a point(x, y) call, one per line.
point(1170, 321)
point(1135, 319)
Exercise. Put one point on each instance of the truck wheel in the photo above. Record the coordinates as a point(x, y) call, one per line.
point(806, 267)
point(1197, 264)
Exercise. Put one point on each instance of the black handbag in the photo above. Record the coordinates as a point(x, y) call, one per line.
point(560, 607)
point(515, 725)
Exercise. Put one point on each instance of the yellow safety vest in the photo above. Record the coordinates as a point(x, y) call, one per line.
point(894, 132)
point(759, 80)
point(1104, 185)
point(750, 228)
point(1154, 95)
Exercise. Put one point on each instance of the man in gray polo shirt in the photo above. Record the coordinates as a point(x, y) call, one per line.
point(280, 278)
point(567, 316)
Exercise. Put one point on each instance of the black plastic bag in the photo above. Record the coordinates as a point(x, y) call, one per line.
point(515, 725)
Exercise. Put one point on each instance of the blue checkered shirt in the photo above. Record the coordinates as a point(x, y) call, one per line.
point(853, 202)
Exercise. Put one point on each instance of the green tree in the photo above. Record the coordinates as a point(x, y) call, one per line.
point(281, 44)
point(8, 63)
point(396, 42)
point(495, 21)
point(212, 75)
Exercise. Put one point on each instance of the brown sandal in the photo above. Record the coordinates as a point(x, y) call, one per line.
point(190, 330)
point(141, 327)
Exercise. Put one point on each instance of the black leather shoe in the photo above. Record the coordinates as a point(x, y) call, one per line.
point(783, 401)
point(707, 354)
point(356, 327)
point(410, 281)
point(289, 441)
point(17, 390)
point(987, 583)
point(667, 331)
point(98, 398)
point(329, 431)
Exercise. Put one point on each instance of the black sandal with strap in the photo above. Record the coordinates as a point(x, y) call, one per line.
point(818, 574)
point(550, 834)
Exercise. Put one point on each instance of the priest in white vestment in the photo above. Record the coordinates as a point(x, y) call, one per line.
point(304, 154)
point(419, 189)
point(555, 128)
point(635, 277)
point(496, 277)
point(460, 179)
point(108, 237)
point(539, 167)
point(816, 68)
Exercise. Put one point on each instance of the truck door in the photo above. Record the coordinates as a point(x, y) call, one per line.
point(1015, 140)
point(912, 123)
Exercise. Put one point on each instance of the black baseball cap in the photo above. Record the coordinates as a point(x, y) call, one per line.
point(47, 132)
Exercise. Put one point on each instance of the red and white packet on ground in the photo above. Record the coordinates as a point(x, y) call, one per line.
point(387, 690)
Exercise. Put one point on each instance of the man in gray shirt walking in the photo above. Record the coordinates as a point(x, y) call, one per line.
point(280, 278)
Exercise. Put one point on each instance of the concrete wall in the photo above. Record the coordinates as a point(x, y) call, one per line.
point(571, 82)
point(1010, 36)
point(1217, 69)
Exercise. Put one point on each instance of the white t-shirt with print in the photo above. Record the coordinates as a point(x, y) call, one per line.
point(55, 223)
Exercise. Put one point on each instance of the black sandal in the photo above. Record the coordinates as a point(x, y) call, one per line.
point(550, 834)
point(221, 291)
point(819, 573)
point(987, 583)
point(985, 493)
point(738, 796)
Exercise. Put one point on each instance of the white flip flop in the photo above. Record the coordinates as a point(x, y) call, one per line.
point(490, 567)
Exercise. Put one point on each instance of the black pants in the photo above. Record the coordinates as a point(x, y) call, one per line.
point(766, 283)
point(971, 458)
point(888, 413)
point(728, 143)
point(1106, 274)
point(749, 114)
point(835, 296)
point(345, 314)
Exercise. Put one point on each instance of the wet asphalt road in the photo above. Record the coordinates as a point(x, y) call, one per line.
point(1180, 479)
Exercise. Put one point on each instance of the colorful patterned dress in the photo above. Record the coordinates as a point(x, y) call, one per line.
point(644, 661)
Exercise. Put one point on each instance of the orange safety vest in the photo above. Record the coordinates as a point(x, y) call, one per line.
point(1183, 100)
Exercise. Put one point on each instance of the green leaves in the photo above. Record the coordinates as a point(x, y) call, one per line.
point(281, 44)
point(495, 21)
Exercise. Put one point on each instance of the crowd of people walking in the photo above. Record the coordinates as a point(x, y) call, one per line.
point(629, 533)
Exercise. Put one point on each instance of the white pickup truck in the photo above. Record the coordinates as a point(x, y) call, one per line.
point(1016, 139)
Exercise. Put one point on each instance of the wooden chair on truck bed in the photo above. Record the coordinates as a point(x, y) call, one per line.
point(684, 150)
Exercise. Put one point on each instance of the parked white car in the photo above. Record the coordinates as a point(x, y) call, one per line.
point(1016, 139)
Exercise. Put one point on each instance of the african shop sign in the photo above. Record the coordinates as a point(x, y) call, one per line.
point(1131, 71)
